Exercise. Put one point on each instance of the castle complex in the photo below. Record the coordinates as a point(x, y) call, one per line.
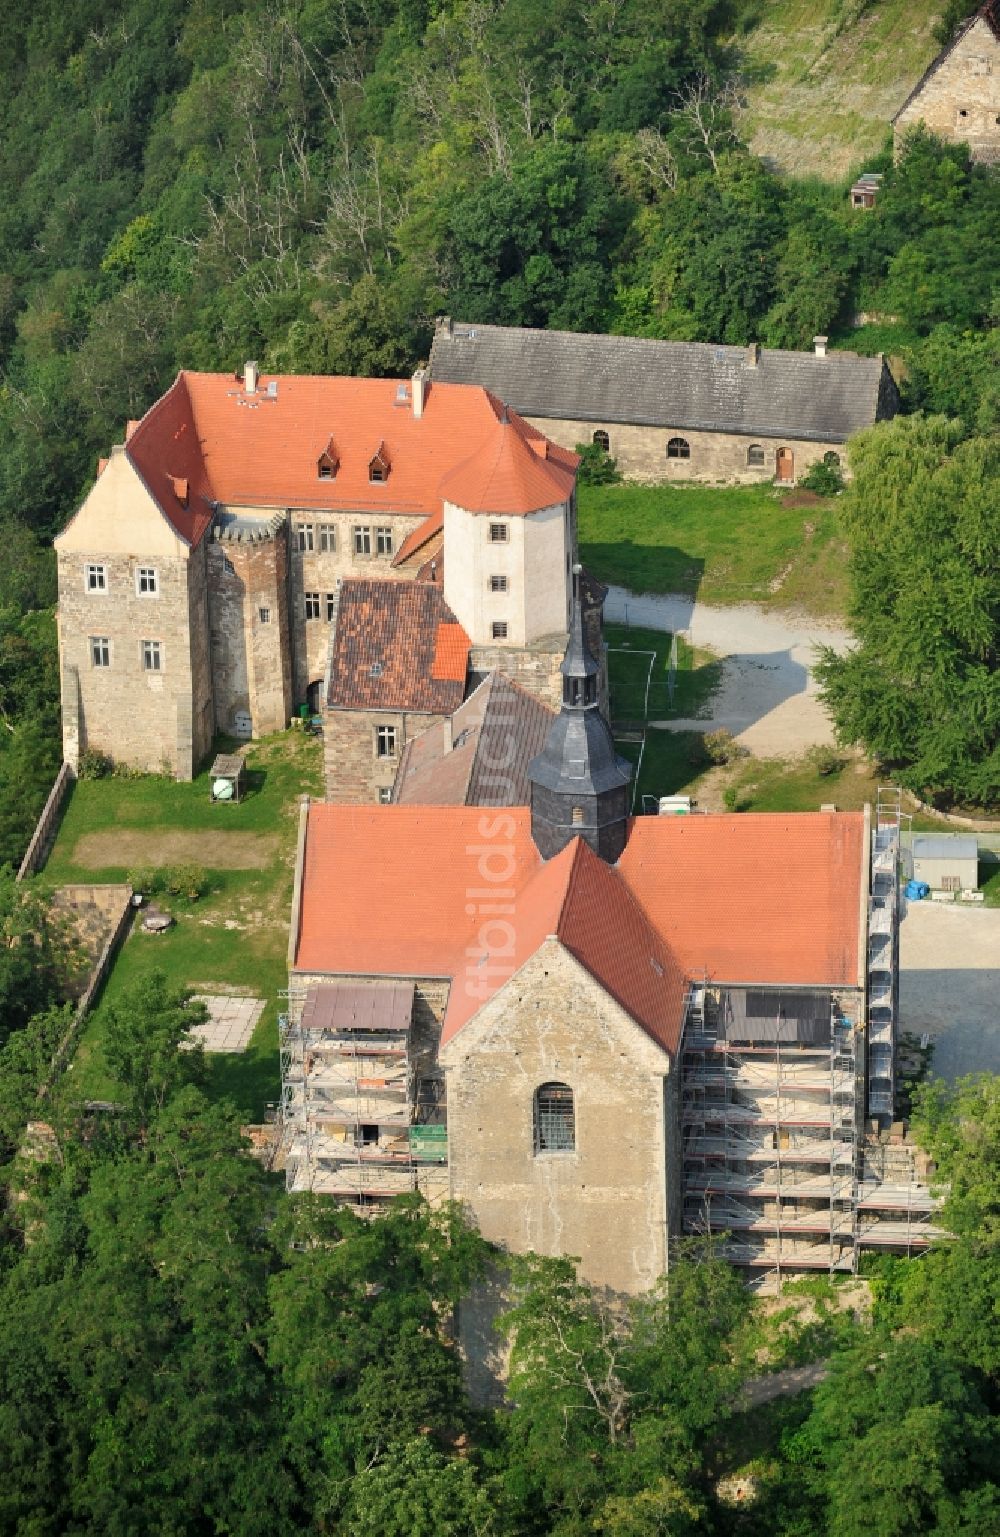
point(256, 542)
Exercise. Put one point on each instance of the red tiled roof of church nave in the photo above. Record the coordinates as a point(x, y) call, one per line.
point(741, 899)
point(263, 449)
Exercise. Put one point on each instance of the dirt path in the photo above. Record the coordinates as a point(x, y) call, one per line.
point(768, 697)
point(132, 846)
point(794, 1379)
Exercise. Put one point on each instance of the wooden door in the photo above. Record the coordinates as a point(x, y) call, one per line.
point(786, 464)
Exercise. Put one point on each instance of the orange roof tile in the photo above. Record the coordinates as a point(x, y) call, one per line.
point(451, 654)
point(263, 449)
point(511, 471)
point(433, 524)
point(404, 891)
point(755, 897)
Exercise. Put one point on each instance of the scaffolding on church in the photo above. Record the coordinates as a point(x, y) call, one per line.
point(359, 1121)
point(769, 1110)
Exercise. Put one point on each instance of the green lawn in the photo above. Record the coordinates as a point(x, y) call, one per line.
point(638, 694)
point(236, 934)
point(725, 544)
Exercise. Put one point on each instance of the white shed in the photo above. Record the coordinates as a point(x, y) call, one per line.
point(946, 861)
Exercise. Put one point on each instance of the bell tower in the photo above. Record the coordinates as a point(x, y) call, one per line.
point(579, 784)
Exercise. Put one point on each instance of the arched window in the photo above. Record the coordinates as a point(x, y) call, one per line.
point(678, 448)
point(832, 459)
point(601, 440)
point(555, 1123)
point(755, 456)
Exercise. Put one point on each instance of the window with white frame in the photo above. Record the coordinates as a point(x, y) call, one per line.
point(385, 741)
point(305, 534)
point(362, 540)
point(499, 629)
point(327, 538)
point(147, 582)
point(498, 584)
point(499, 533)
point(312, 605)
point(152, 656)
point(95, 578)
point(331, 606)
point(383, 541)
point(100, 651)
point(384, 796)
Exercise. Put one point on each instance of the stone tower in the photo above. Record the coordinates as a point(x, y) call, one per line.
point(579, 784)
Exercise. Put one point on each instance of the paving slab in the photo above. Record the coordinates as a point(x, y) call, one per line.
point(231, 1021)
point(949, 984)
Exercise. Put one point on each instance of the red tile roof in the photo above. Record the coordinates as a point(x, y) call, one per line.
point(511, 471)
point(397, 646)
point(451, 654)
point(396, 891)
point(263, 449)
point(419, 536)
point(755, 897)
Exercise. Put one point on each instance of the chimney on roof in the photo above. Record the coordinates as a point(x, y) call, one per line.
point(753, 354)
point(819, 342)
point(418, 390)
point(449, 740)
point(251, 374)
point(444, 324)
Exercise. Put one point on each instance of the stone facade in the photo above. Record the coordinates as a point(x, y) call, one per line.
point(248, 615)
point(959, 97)
point(155, 715)
point(355, 770)
point(606, 1200)
point(641, 452)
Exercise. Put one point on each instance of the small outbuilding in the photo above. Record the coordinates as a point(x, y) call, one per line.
point(228, 777)
point(947, 862)
point(866, 190)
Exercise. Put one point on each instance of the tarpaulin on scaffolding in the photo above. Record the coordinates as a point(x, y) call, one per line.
point(777, 1015)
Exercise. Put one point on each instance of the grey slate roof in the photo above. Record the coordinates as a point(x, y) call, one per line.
point(945, 846)
point(494, 734)
point(694, 385)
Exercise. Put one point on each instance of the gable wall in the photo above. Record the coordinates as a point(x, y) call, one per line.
point(968, 81)
point(607, 1201)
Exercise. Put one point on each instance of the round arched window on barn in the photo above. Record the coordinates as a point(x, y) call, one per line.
point(602, 441)
point(678, 448)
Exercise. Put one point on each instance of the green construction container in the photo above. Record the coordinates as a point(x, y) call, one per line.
point(303, 712)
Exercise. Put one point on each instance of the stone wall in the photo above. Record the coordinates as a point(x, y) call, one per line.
point(535, 668)
point(641, 452)
point(131, 714)
point(319, 569)
point(353, 772)
point(607, 1200)
point(960, 102)
point(251, 651)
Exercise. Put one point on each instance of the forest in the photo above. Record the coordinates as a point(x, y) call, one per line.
point(188, 183)
point(187, 1351)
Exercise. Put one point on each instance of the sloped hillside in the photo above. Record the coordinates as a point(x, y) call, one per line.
point(827, 75)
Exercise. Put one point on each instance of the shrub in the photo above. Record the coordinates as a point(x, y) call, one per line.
point(94, 765)
point(825, 478)
point(735, 799)
point(597, 468)
point(722, 747)
point(188, 881)
point(144, 879)
point(825, 760)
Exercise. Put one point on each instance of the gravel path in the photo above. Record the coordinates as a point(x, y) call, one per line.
point(768, 695)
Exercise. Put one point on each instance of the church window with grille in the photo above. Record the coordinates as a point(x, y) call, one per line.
point(678, 448)
point(555, 1120)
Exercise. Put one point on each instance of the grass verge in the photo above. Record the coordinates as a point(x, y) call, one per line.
point(723, 544)
point(235, 935)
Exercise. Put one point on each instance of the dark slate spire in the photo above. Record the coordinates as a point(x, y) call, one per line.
point(579, 784)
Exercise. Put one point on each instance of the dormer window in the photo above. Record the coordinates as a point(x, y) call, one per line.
point(329, 459)
point(378, 465)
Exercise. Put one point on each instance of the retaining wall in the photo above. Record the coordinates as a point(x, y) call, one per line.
point(41, 839)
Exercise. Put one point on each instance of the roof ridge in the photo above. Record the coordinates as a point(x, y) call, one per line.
point(573, 875)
